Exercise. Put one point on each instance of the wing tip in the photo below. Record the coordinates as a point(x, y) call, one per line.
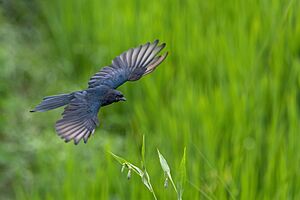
point(165, 54)
point(154, 65)
point(156, 41)
point(147, 44)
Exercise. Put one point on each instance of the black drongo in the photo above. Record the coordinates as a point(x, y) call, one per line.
point(79, 118)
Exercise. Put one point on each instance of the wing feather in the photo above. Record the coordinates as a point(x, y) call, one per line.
point(131, 65)
point(79, 119)
point(135, 56)
point(141, 55)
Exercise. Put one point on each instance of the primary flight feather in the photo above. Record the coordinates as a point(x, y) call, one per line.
point(80, 116)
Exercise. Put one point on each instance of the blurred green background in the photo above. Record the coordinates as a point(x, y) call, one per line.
point(229, 92)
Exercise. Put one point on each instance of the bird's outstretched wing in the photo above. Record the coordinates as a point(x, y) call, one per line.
point(131, 65)
point(79, 119)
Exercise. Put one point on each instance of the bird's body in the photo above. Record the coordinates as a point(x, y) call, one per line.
point(80, 115)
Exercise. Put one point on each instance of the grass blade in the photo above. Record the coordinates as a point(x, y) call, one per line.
point(166, 169)
point(182, 174)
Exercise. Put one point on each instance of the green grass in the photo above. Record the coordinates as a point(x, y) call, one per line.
point(229, 92)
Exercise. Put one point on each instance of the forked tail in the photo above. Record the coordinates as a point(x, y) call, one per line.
point(52, 102)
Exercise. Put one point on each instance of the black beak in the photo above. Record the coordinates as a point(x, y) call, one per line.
point(122, 99)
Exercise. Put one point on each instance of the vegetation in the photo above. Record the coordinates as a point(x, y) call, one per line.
point(229, 92)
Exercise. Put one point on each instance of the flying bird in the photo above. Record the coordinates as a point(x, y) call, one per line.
point(80, 116)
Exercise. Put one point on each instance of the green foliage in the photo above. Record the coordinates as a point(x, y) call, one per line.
point(229, 92)
point(141, 172)
point(182, 177)
point(145, 176)
point(167, 172)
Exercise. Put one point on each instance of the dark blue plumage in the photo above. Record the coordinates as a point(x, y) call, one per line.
point(79, 118)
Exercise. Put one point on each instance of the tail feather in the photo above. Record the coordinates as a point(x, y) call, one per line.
point(52, 102)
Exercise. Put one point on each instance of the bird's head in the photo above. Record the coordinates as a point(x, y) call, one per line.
point(118, 96)
point(112, 96)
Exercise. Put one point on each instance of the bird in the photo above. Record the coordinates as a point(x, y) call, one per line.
point(80, 116)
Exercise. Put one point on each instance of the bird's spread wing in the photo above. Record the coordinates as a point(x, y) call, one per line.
point(79, 119)
point(131, 65)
